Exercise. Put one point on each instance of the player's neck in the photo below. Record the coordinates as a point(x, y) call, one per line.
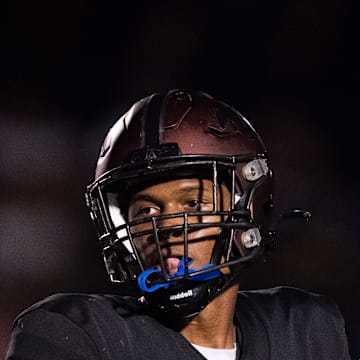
point(214, 326)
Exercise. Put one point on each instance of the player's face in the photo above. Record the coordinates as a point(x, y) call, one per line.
point(174, 197)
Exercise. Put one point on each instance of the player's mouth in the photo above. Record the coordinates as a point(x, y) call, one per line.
point(172, 264)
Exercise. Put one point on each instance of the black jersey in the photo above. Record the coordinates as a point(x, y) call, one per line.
point(278, 323)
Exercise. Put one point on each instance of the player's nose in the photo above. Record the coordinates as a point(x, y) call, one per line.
point(171, 227)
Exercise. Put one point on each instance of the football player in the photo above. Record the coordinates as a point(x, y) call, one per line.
point(182, 201)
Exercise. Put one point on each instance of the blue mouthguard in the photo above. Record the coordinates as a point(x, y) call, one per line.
point(142, 279)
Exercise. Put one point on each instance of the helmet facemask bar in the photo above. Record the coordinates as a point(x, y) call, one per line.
point(118, 236)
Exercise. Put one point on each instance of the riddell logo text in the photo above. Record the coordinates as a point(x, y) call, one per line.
point(181, 295)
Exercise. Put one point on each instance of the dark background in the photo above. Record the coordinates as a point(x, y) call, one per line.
point(69, 69)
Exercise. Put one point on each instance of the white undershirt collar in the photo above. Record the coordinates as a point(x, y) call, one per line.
point(216, 354)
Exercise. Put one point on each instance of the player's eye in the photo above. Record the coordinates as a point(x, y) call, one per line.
point(199, 205)
point(138, 211)
point(146, 211)
point(195, 204)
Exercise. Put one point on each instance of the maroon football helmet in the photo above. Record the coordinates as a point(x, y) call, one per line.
point(176, 135)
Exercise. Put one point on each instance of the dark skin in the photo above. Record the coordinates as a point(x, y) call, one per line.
point(213, 326)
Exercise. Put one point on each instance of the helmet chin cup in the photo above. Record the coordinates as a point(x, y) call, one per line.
point(185, 299)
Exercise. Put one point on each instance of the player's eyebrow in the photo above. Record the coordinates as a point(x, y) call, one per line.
point(191, 188)
point(141, 197)
point(181, 190)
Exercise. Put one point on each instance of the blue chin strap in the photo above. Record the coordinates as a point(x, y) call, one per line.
point(143, 281)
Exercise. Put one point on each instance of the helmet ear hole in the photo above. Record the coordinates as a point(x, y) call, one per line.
point(238, 247)
point(262, 205)
point(251, 209)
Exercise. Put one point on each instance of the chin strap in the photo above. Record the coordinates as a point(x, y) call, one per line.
point(159, 281)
